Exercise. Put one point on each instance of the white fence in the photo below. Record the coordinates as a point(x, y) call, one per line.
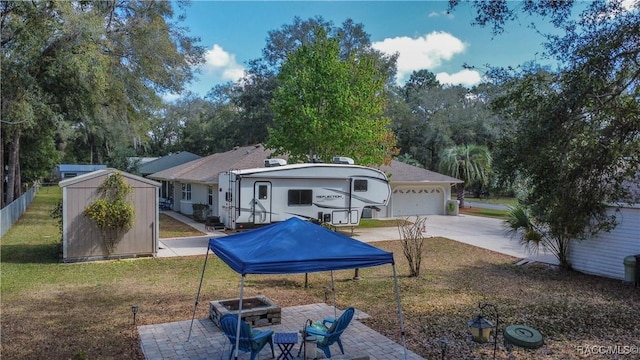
point(12, 212)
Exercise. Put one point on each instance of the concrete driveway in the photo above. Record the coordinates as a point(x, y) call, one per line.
point(478, 231)
point(487, 233)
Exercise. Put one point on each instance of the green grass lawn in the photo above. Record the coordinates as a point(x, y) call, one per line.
point(493, 213)
point(83, 311)
point(510, 201)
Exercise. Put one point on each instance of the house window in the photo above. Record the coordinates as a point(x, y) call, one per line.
point(262, 192)
point(186, 192)
point(300, 197)
point(210, 194)
point(69, 175)
point(360, 185)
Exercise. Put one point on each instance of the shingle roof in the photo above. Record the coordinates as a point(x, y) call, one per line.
point(402, 172)
point(206, 170)
point(167, 162)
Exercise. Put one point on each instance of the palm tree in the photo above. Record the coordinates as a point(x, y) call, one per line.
point(533, 235)
point(468, 163)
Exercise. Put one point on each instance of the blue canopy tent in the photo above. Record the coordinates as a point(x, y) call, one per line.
point(295, 246)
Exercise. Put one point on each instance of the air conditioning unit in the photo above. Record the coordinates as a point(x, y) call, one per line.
point(274, 162)
point(342, 160)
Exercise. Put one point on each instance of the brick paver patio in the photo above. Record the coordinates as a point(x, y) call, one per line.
point(169, 340)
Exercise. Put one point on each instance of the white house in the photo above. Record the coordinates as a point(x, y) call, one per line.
point(603, 255)
point(414, 191)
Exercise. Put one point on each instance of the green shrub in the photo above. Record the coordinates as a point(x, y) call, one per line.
point(112, 212)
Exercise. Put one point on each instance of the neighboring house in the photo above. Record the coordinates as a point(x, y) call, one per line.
point(66, 171)
point(163, 163)
point(82, 240)
point(415, 191)
point(604, 254)
point(196, 182)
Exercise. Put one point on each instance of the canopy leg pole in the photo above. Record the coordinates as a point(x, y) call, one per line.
point(239, 317)
point(195, 306)
point(333, 290)
point(404, 336)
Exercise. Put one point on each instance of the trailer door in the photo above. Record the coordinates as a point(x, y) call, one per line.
point(262, 202)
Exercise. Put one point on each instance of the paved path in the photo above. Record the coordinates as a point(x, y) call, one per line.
point(169, 340)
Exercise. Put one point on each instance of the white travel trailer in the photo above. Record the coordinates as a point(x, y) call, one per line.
point(331, 193)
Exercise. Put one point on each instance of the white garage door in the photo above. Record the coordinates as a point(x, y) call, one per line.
point(424, 200)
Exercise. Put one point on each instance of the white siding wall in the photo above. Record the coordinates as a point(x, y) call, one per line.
point(604, 254)
point(199, 195)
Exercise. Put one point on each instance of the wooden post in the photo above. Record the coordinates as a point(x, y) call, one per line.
point(356, 276)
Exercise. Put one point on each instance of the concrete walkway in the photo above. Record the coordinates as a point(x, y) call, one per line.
point(186, 246)
point(484, 232)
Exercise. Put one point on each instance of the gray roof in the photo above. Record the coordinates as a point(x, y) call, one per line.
point(206, 170)
point(403, 172)
point(167, 162)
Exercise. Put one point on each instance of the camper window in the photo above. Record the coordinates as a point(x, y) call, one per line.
point(300, 197)
point(360, 185)
point(262, 192)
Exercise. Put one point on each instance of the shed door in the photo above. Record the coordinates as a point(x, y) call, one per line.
point(262, 202)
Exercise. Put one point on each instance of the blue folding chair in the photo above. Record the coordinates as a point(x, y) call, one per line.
point(251, 340)
point(328, 332)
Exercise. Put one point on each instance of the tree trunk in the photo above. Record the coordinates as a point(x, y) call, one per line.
point(2, 191)
point(461, 189)
point(14, 157)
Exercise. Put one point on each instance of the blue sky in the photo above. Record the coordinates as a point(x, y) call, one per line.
point(422, 32)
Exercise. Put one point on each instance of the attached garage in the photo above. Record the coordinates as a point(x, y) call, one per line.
point(416, 191)
point(417, 200)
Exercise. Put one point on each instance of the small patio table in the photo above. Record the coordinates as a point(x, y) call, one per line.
point(285, 342)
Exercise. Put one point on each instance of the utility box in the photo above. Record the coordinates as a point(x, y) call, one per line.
point(453, 207)
point(630, 264)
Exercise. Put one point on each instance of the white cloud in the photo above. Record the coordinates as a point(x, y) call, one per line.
point(222, 63)
point(425, 52)
point(441, 13)
point(465, 78)
point(170, 97)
